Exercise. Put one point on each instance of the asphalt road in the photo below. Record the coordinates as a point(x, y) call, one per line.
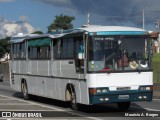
point(12, 102)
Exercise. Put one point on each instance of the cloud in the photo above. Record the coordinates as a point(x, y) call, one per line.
point(7, 0)
point(122, 10)
point(59, 3)
point(10, 28)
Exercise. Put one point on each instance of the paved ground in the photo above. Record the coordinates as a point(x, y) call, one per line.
point(156, 91)
point(15, 108)
point(11, 101)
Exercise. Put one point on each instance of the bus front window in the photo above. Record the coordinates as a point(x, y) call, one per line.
point(108, 54)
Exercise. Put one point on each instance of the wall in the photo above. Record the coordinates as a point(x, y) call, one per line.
point(4, 68)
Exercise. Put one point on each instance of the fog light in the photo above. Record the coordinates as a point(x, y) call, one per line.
point(106, 99)
point(101, 99)
point(140, 97)
point(145, 97)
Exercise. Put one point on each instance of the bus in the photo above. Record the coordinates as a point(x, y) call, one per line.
point(89, 65)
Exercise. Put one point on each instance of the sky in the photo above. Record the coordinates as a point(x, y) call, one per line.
point(27, 16)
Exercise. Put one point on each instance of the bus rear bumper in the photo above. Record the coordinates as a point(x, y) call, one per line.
point(115, 97)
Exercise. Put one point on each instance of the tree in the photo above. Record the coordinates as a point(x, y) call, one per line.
point(4, 46)
point(37, 32)
point(61, 22)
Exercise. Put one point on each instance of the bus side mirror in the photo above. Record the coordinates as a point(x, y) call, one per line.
point(81, 52)
point(80, 56)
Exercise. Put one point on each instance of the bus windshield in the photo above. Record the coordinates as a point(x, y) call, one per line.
point(118, 53)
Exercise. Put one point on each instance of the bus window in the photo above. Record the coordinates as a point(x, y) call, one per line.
point(18, 51)
point(33, 52)
point(44, 53)
point(57, 48)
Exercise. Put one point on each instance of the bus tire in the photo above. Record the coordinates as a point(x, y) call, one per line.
point(124, 105)
point(25, 91)
point(74, 105)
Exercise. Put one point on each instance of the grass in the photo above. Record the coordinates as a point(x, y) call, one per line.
point(156, 67)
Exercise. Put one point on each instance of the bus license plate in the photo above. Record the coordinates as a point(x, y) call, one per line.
point(123, 96)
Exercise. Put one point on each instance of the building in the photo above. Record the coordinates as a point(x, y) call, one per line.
point(155, 38)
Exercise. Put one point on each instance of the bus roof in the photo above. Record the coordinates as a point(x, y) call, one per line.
point(102, 30)
point(98, 28)
point(21, 37)
point(90, 29)
point(113, 30)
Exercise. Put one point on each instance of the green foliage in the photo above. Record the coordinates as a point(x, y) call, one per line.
point(156, 67)
point(61, 22)
point(37, 32)
point(4, 46)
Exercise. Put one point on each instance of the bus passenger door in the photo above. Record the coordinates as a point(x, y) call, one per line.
point(81, 68)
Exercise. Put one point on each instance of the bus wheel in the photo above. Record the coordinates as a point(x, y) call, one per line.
point(124, 105)
point(25, 91)
point(74, 105)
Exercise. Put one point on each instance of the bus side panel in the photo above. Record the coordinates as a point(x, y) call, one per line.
point(31, 84)
point(42, 86)
point(69, 75)
point(62, 90)
point(17, 83)
point(84, 92)
point(51, 89)
point(43, 67)
point(39, 67)
point(33, 67)
point(80, 87)
point(68, 69)
point(23, 67)
point(14, 66)
point(54, 68)
point(11, 69)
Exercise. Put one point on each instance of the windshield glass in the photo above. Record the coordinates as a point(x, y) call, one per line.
point(118, 53)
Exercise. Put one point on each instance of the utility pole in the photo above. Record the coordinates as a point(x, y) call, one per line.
point(88, 19)
point(143, 19)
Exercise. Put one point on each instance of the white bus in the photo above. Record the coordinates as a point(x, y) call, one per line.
point(90, 65)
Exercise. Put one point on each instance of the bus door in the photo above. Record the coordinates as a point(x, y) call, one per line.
point(80, 63)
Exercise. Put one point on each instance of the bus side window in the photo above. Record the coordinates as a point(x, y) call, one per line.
point(57, 48)
point(79, 60)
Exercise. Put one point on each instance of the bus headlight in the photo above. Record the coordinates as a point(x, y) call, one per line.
point(104, 90)
point(99, 90)
point(145, 88)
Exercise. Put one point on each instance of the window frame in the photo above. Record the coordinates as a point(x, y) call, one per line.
point(17, 51)
point(58, 49)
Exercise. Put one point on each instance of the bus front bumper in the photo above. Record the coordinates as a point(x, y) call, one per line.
point(119, 96)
